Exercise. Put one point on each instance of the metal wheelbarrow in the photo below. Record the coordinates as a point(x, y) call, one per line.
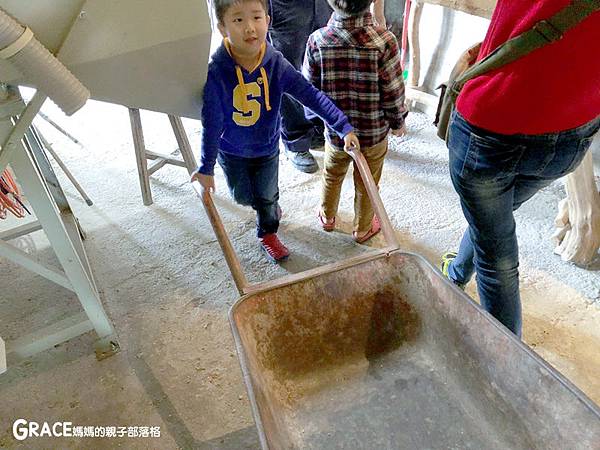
point(381, 351)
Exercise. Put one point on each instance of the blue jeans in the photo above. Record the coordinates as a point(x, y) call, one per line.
point(292, 22)
point(494, 174)
point(254, 182)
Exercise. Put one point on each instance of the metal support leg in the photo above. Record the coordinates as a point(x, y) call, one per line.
point(140, 154)
point(42, 165)
point(66, 245)
point(63, 245)
point(14, 134)
point(62, 165)
point(34, 146)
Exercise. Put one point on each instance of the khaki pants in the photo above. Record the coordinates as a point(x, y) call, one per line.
point(335, 168)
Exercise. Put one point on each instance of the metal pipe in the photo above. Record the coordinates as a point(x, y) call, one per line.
point(59, 128)
point(39, 66)
point(62, 165)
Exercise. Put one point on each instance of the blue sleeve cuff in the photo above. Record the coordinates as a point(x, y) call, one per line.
point(204, 170)
point(347, 128)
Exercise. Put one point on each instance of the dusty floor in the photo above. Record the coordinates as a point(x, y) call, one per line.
point(167, 289)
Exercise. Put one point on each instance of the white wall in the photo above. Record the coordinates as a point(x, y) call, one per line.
point(444, 35)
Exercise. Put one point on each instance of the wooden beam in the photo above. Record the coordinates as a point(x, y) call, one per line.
point(24, 260)
point(481, 8)
point(140, 150)
point(48, 337)
point(155, 166)
point(168, 159)
point(21, 230)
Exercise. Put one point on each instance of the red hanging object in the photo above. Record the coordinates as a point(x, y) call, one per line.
point(10, 196)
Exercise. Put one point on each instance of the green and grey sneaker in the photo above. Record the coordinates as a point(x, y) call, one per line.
point(447, 258)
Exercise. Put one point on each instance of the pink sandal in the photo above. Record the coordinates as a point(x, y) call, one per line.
point(324, 224)
point(375, 228)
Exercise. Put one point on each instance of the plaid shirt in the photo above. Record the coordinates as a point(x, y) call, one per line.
point(358, 66)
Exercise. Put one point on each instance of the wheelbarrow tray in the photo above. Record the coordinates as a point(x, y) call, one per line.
point(381, 352)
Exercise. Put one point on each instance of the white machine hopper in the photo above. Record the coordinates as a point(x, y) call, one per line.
point(147, 54)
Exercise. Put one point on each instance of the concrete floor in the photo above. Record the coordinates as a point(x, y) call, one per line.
point(167, 289)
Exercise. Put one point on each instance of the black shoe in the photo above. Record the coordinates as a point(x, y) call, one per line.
point(303, 161)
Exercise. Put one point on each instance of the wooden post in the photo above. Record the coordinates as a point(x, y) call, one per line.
point(140, 154)
point(184, 144)
point(414, 19)
point(2, 356)
point(578, 220)
point(161, 160)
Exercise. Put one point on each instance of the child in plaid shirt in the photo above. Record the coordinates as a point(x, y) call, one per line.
point(357, 64)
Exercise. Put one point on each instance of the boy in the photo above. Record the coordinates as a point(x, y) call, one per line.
point(356, 64)
point(241, 122)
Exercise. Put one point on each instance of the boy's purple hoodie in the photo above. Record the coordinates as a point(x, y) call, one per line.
point(240, 113)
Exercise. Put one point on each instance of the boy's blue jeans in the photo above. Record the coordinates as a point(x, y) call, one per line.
point(494, 174)
point(254, 182)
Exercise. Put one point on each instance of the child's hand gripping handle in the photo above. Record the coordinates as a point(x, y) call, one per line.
point(206, 181)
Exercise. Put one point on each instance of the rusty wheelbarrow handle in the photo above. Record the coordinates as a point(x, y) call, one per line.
point(231, 258)
point(373, 192)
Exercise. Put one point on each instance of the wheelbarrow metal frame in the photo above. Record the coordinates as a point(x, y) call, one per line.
point(248, 290)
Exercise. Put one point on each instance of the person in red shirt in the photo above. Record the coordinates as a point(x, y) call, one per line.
point(514, 131)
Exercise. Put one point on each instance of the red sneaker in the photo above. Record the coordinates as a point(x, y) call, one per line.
point(273, 247)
